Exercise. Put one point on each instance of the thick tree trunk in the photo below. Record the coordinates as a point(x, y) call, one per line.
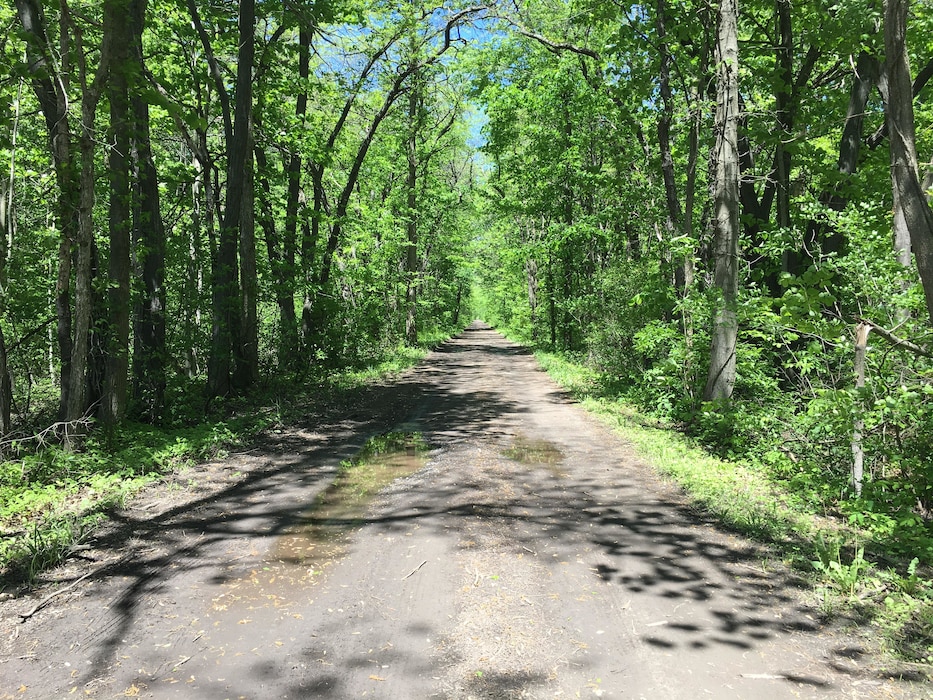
point(905, 170)
point(226, 327)
point(721, 378)
point(48, 85)
point(84, 301)
point(87, 254)
point(150, 353)
point(118, 37)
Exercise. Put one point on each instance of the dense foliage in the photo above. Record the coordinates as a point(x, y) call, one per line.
point(601, 243)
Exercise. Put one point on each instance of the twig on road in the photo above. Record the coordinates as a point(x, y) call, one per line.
point(415, 570)
point(45, 601)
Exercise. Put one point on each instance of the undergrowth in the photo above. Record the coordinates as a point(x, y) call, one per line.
point(876, 572)
point(52, 499)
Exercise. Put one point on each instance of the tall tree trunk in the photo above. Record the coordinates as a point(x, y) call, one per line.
point(411, 247)
point(784, 95)
point(674, 214)
point(226, 331)
point(48, 83)
point(918, 216)
point(531, 277)
point(84, 269)
point(7, 229)
point(150, 353)
point(820, 235)
point(119, 32)
point(310, 235)
point(293, 201)
point(721, 379)
point(247, 368)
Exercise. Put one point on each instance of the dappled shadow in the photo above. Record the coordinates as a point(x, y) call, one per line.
point(721, 595)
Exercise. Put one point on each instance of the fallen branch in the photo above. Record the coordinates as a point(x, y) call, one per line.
point(45, 601)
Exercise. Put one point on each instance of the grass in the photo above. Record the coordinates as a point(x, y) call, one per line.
point(893, 596)
point(51, 500)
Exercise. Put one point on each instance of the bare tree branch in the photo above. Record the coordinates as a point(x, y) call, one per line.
point(896, 340)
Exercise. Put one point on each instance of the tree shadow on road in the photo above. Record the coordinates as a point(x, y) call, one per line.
point(632, 535)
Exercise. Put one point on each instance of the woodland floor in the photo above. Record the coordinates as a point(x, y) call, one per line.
point(532, 557)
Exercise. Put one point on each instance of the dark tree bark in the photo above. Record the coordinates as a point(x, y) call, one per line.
point(674, 214)
point(784, 97)
point(49, 87)
point(247, 365)
point(819, 235)
point(120, 37)
point(226, 341)
point(285, 295)
point(149, 237)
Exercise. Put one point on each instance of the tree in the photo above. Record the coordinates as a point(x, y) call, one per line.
point(905, 171)
point(721, 379)
point(48, 84)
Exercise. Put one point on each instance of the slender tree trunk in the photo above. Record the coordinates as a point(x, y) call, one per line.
point(858, 452)
point(282, 272)
point(411, 248)
point(293, 201)
point(785, 113)
point(313, 317)
point(905, 170)
point(674, 213)
point(7, 226)
point(820, 235)
point(86, 250)
point(531, 276)
point(311, 233)
point(721, 379)
point(248, 356)
point(7, 234)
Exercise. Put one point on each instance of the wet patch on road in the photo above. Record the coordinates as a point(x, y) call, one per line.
point(320, 538)
point(343, 505)
point(536, 453)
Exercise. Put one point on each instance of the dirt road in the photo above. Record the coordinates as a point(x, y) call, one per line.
point(532, 557)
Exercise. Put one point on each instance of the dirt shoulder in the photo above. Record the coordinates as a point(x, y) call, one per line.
point(532, 557)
